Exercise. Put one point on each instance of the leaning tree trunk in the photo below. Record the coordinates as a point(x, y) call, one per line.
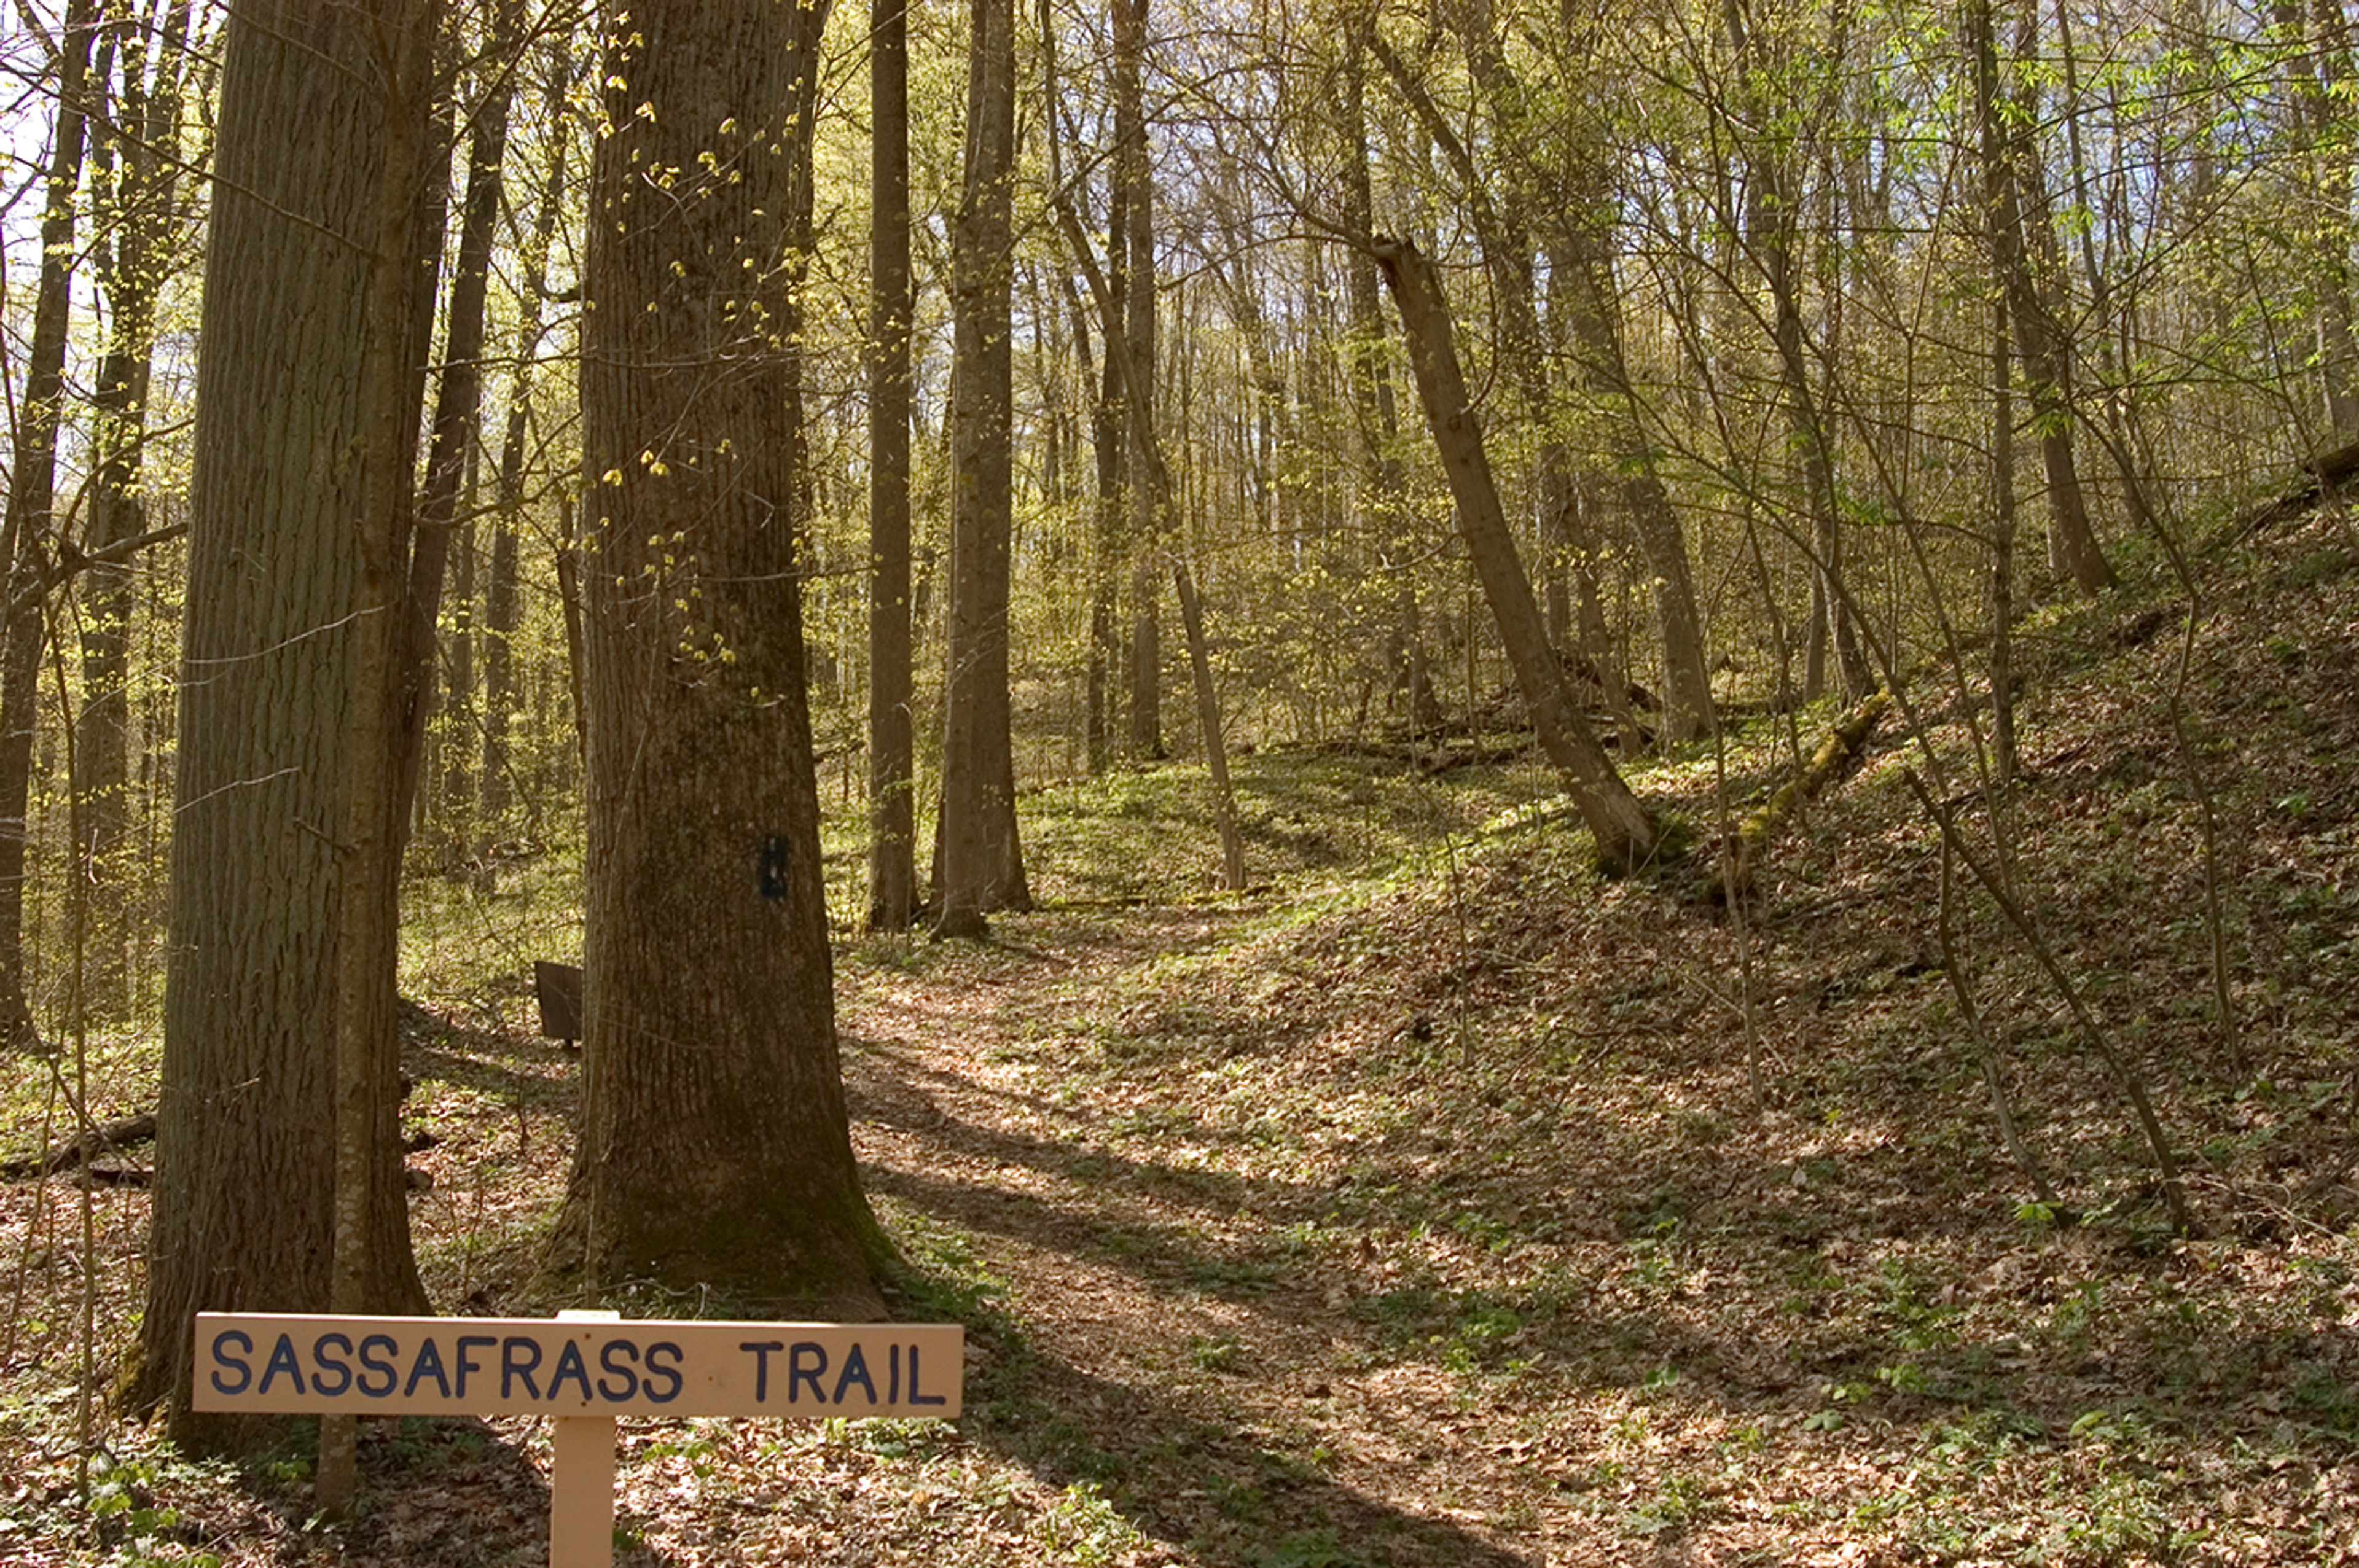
point(1627, 834)
point(245, 1163)
point(715, 1149)
point(1688, 711)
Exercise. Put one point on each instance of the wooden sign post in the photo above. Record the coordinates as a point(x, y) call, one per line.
point(582, 1369)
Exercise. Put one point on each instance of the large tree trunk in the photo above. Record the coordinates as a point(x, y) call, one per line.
point(892, 730)
point(245, 1163)
point(25, 541)
point(981, 865)
point(368, 901)
point(714, 1149)
point(1627, 834)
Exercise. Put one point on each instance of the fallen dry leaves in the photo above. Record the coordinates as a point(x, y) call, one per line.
point(1443, 1225)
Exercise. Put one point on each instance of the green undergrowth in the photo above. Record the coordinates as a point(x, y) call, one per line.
point(1672, 1229)
point(1729, 1198)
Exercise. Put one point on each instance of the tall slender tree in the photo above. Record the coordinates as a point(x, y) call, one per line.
point(27, 545)
point(1135, 207)
point(454, 438)
point(502, 596)
point(2030, 270)
point(892, 729)
point(139, 149)
point(2320, 75)
point(1379, 416)
point(1767, 72)
point(982, 863)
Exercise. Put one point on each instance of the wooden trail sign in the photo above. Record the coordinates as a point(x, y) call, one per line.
point(582, 1369)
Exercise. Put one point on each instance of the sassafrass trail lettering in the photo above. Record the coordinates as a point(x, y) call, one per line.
point(326, 1363)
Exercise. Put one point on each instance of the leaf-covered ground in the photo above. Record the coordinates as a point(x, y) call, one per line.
point(1436, 1203)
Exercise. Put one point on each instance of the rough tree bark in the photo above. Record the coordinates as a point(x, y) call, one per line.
point(714, 1147)
point(246, 1165)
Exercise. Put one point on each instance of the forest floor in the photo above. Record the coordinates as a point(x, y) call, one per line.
point(1436, 1202)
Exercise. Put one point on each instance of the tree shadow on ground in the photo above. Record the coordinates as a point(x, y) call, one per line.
point(1884, 1345)
point(455, 1489)
point(1227, 1496)
point(502, 1064)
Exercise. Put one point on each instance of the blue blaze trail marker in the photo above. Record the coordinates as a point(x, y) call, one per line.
point(770, 873)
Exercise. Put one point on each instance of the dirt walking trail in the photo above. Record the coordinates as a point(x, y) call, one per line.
point(1238, 1408)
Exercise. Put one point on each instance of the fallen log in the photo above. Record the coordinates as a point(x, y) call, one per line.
point(2322, 476)
point(1833, 758)
point(111, 1138)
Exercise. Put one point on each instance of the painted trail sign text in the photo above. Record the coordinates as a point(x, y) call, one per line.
point(381, 1366)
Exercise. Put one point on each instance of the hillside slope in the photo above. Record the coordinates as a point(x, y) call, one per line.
point(1436, 1202)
